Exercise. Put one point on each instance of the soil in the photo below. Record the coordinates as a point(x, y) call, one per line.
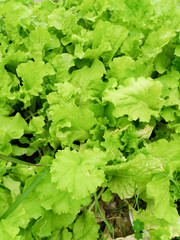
point(116, 213)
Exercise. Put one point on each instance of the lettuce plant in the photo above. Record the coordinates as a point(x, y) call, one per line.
point(89, 101)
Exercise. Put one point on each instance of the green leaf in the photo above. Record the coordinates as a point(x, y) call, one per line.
point(36, 124)
point(145, 132)
point(91, 90)
point(71, 167)
point(166, 151)
point(68, 127)
point(13, 126)
point(88, 80)
point(135, 99)
point(32, 74)
point(85, 227)
point(5, 199)
point(107, 195)
point(131, 45)
point(23, 195)
point(19, 151)
point(170, 81)
point(13, 186)
point(62, 63)
point(168, 114)
point(156, 41)
point(16, 15)
point(8, 231)
point(32, 200)
point(107, 38)
point(162, 62)
point(135, 173)
point(61, 235)
point(138, 226)
point(126, 64)
point(130, 138)
point(10, 128)
point(158, 189)
point(42, 227)
point(65, 93)
point(52, 198)
point(113, 145)
point(175, 125)
point(177, 51)
point(67, 22)
point(157, 228)
point(50, 222)
point(39, 40)
point(24, 233)
point(65, 235)
point(10, 227)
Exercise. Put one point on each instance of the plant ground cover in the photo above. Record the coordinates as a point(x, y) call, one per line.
point(89, 119)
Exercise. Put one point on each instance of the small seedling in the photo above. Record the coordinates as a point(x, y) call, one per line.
point(138, 227)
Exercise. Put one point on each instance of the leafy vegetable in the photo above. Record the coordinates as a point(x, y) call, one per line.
point(70, 168)
point(134, 99)
point(85, 227)
point(136, 172)
point(89, 108)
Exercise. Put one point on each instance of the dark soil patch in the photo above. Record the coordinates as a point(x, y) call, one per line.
point(116, 213)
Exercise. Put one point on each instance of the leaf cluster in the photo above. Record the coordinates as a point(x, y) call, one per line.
point(89, 100)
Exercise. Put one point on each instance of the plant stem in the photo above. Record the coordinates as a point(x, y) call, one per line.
point(98, 196)
point(17, 161)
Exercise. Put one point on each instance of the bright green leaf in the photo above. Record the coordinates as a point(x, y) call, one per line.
point(158, 189)
point(85, 227)
point(135, 99)
point(70, 168)
point(136, 173)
